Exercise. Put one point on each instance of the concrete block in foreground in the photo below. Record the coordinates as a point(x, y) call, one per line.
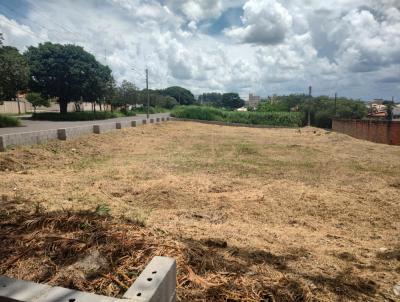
point(103, 128)
point(163, 119)
point(134, 123)
point(168, 118)
point(144, 122)
point(151, 121)
point(156, 283)
point(157, 120)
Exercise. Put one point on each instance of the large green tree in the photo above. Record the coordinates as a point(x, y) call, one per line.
point(14, 72)
point(68, 73)
point(232, 100)
point(180, 94)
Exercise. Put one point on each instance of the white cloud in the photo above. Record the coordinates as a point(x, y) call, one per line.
point(281, 46)
point(264, 22)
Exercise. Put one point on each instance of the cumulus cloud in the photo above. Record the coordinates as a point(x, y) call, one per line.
point(264, 22)
point(281, 46)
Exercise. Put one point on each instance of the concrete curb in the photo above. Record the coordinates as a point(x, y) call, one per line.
point(157, 282)
point(37, 137)
point(103, 128)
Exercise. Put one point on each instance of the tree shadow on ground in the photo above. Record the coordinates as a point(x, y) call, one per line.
point(47, 247)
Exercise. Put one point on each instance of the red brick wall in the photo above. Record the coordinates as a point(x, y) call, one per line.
point(383, 132)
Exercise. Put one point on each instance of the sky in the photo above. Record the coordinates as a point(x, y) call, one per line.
point(264, 47)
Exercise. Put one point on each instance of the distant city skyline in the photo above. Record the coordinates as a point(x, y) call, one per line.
point(245, 46)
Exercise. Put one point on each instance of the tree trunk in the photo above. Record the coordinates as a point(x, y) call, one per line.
point(63, 106)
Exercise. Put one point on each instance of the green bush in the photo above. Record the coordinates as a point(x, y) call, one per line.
point(152, 110)
point(76, 116)
point(127, 112)
point(284, 119)
point(9, 121)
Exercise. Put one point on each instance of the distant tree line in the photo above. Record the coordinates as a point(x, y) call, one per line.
point(322, 109)
point(224, 100)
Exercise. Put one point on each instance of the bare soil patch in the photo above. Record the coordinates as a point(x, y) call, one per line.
point(249, 214)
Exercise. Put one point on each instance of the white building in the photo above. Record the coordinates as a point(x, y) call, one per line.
point(254, 100)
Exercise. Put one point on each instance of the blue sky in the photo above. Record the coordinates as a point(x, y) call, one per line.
point(264, 47)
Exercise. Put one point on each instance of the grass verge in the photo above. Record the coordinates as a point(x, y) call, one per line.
point(8, 121)
point(283, 119)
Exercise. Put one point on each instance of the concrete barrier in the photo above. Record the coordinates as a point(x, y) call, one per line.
point(68, 133)
point(124, 124)
point(37, 137)
point(27, 138)
point(103, 128)
point(157, 282)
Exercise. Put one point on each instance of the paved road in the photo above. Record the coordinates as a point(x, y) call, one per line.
point(29, 126)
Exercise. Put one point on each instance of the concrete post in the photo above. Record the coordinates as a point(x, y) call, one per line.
point(157, 120)
point(96, 129)
point(144, 122)
point(151, 121)
point(62, 134)
point(2, 144)
point(156, 283)
point(133, 124)
point(118, 125)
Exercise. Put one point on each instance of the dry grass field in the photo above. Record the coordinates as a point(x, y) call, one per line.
point(249, 214)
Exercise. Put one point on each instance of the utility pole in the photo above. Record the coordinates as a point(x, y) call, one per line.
point(148, 94)
point(309, 103)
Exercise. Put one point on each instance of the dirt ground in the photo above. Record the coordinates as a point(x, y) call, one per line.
point(249, 214)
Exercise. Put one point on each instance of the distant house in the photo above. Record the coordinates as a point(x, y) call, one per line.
point(380, 111)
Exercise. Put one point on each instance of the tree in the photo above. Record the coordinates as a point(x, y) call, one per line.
point(37, 100)
point(180, 94)
point(232, 100)
point(213, 99)
point(14, 72)
point(125, 94)
point(68, 73)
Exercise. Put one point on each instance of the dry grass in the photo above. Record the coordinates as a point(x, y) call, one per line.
point(306, 214)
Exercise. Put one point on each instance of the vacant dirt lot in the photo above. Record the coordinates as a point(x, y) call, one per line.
point(306, 215)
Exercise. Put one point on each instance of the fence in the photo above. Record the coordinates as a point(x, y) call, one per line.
point(384, 132)
point(11, 107)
